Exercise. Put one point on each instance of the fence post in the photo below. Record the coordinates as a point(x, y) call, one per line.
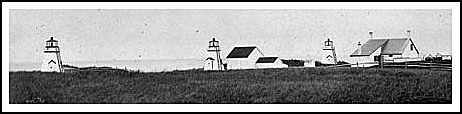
point(431, 62)
point(381, 61)
point(405, 64)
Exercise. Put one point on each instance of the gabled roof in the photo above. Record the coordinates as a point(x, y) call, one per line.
point(395, 46)
point(429, 55)
point(266, 59)
point(390, 46)
point(369, 47)
point(241, 52)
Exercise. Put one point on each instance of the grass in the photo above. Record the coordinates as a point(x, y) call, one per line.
point(286, 85)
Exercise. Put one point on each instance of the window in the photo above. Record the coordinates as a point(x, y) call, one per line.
point(377, 58)
point(213, 44)
point(412, 47)
point(328, 43)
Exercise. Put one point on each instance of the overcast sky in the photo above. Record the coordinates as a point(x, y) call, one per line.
point(111, 34)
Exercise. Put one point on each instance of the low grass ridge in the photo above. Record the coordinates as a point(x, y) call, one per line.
point(285, 85)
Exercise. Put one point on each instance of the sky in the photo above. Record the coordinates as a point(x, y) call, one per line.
point(131, 34)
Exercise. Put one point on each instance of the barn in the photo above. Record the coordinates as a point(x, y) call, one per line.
point(399, 49)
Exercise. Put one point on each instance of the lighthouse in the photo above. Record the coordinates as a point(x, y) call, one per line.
point(213, 60)
point(51, 57)
point(329, 56)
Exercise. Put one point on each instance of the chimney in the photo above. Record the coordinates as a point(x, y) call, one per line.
point(371, 34)
point(408, 33)
point(359, 47)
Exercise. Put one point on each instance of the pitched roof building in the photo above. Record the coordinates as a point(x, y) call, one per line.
point(388, 46)
point(242, 52)
point(250, 57)
point(269, 62)
point(243, 57)
point(267, 59)
point(398, 49)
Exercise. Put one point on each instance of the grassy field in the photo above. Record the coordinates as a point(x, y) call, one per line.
point(287, 86)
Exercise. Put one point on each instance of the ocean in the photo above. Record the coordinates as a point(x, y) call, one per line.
point(157, 65)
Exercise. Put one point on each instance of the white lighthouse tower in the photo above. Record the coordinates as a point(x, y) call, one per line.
point(51, 57)
point(213, 60)
point(329, 56)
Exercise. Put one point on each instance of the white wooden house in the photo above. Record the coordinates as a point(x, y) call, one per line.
point(270, 62)
point(399, 49)
point(243, 57)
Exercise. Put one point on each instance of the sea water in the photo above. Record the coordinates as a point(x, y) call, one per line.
point(157, 65)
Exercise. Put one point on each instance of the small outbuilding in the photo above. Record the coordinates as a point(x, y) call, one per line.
point(309, 63)
point(444, 56)
point(269, 62)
